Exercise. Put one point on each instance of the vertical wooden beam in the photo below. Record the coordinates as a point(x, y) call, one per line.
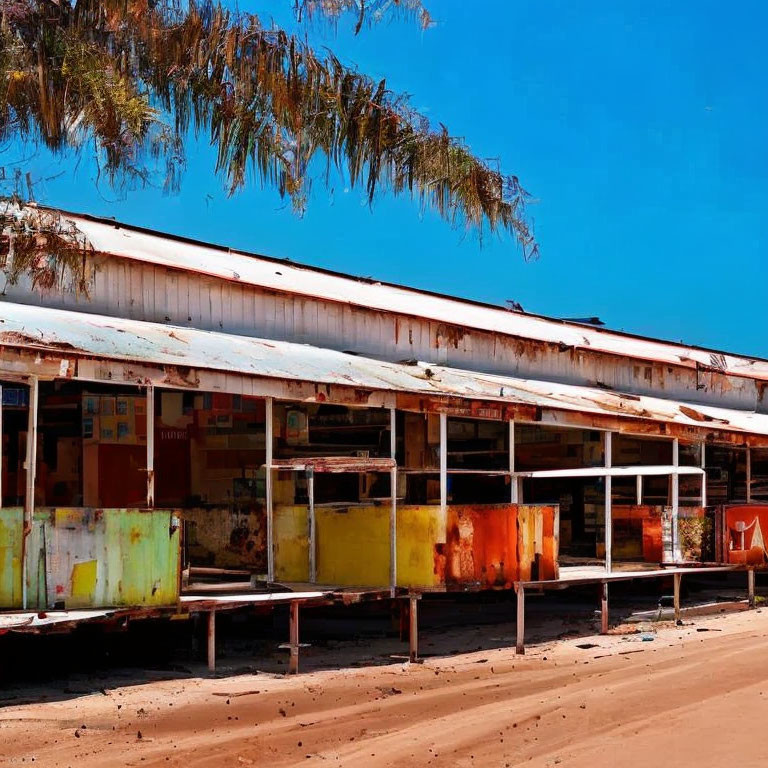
point(31, 475)
point(604, 617)
point(413, 629)
point(704, 476)
point(312, 541)
point(270, 446)
point(749, 475)
point(639, 489)
point(677, 579)
point(212, 641)
point(520, 624)
point(751, 587)
point(513, 480)
point(608, 503)
point(393, 505)
point(675, 500)
point(293, 632)
point(150, 446)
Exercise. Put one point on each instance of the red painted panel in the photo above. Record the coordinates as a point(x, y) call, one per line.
point(746, 528)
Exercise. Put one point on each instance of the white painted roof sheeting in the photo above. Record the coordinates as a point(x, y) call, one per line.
point(154, 248)
point(130, 340)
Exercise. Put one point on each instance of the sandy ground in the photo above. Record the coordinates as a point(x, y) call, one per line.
point(690, 695)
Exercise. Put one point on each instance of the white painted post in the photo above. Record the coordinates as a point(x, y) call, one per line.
point(269, 445)
point(31, 470)
point(749, 475)
point(393, 507)
point(513, 481)
point(150, 446)
point(639, 489)
point(675, 500)
point(1, 445)
point(312, 543)
point(608, 503)
point(443, 473)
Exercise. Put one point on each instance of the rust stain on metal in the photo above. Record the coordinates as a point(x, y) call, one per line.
point(336, 464)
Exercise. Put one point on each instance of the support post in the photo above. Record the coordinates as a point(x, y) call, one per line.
point(212, 641)
point(608, 503)
point(520, 640)
point(639, 489)
point(675, 500)
point(31, 470)
point(413, 629)
point(677, 579)
point(269, 440)
point(513, 480)
point(150, 446)
point(604, 608)
point(444, 469)
point(751, 587)
point(749, 475)
point(312, 542)
point(293, 632)
point(1, 445)
point(393, 506)
point(704, 476)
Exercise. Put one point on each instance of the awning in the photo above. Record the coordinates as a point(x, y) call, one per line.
point(81, 334)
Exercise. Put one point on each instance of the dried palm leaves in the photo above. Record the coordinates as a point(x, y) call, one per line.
point(110, 69)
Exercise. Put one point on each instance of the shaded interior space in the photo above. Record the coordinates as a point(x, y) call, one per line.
point(15, 421)
point(581, 500)
point(210, 455)
point(92, 446)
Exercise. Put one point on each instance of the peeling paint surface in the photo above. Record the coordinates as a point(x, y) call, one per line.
point(130, 340)
point(98, 558)
point(11, 526)
point(155, 248)
point(226, 537)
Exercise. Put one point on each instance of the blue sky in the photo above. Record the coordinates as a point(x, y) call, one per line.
point(640, 129)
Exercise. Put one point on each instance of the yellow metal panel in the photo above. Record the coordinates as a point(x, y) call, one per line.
point(83, 583)
point(353, 546)
point(291, 535)
point(418, 562)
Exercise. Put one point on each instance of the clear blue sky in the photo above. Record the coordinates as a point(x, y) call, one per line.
point(641, 130)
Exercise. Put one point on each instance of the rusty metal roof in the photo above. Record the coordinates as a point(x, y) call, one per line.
point(215, 261)
point(77, 333)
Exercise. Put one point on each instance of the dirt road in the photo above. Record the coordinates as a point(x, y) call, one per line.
point(692, 696)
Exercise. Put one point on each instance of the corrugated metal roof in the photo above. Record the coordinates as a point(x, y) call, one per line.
point(130, 340)
point(215, 261)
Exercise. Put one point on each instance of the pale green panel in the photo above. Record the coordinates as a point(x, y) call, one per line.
point(11, 530)
point(98, 558)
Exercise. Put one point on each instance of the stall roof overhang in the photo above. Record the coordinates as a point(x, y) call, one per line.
point(111, 237)
point(65, 333)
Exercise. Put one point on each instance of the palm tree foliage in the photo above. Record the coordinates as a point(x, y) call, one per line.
point(136, 77)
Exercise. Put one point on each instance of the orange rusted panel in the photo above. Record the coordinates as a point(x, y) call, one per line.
point(491, 546)
point(637, 532)
point(481, 545)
